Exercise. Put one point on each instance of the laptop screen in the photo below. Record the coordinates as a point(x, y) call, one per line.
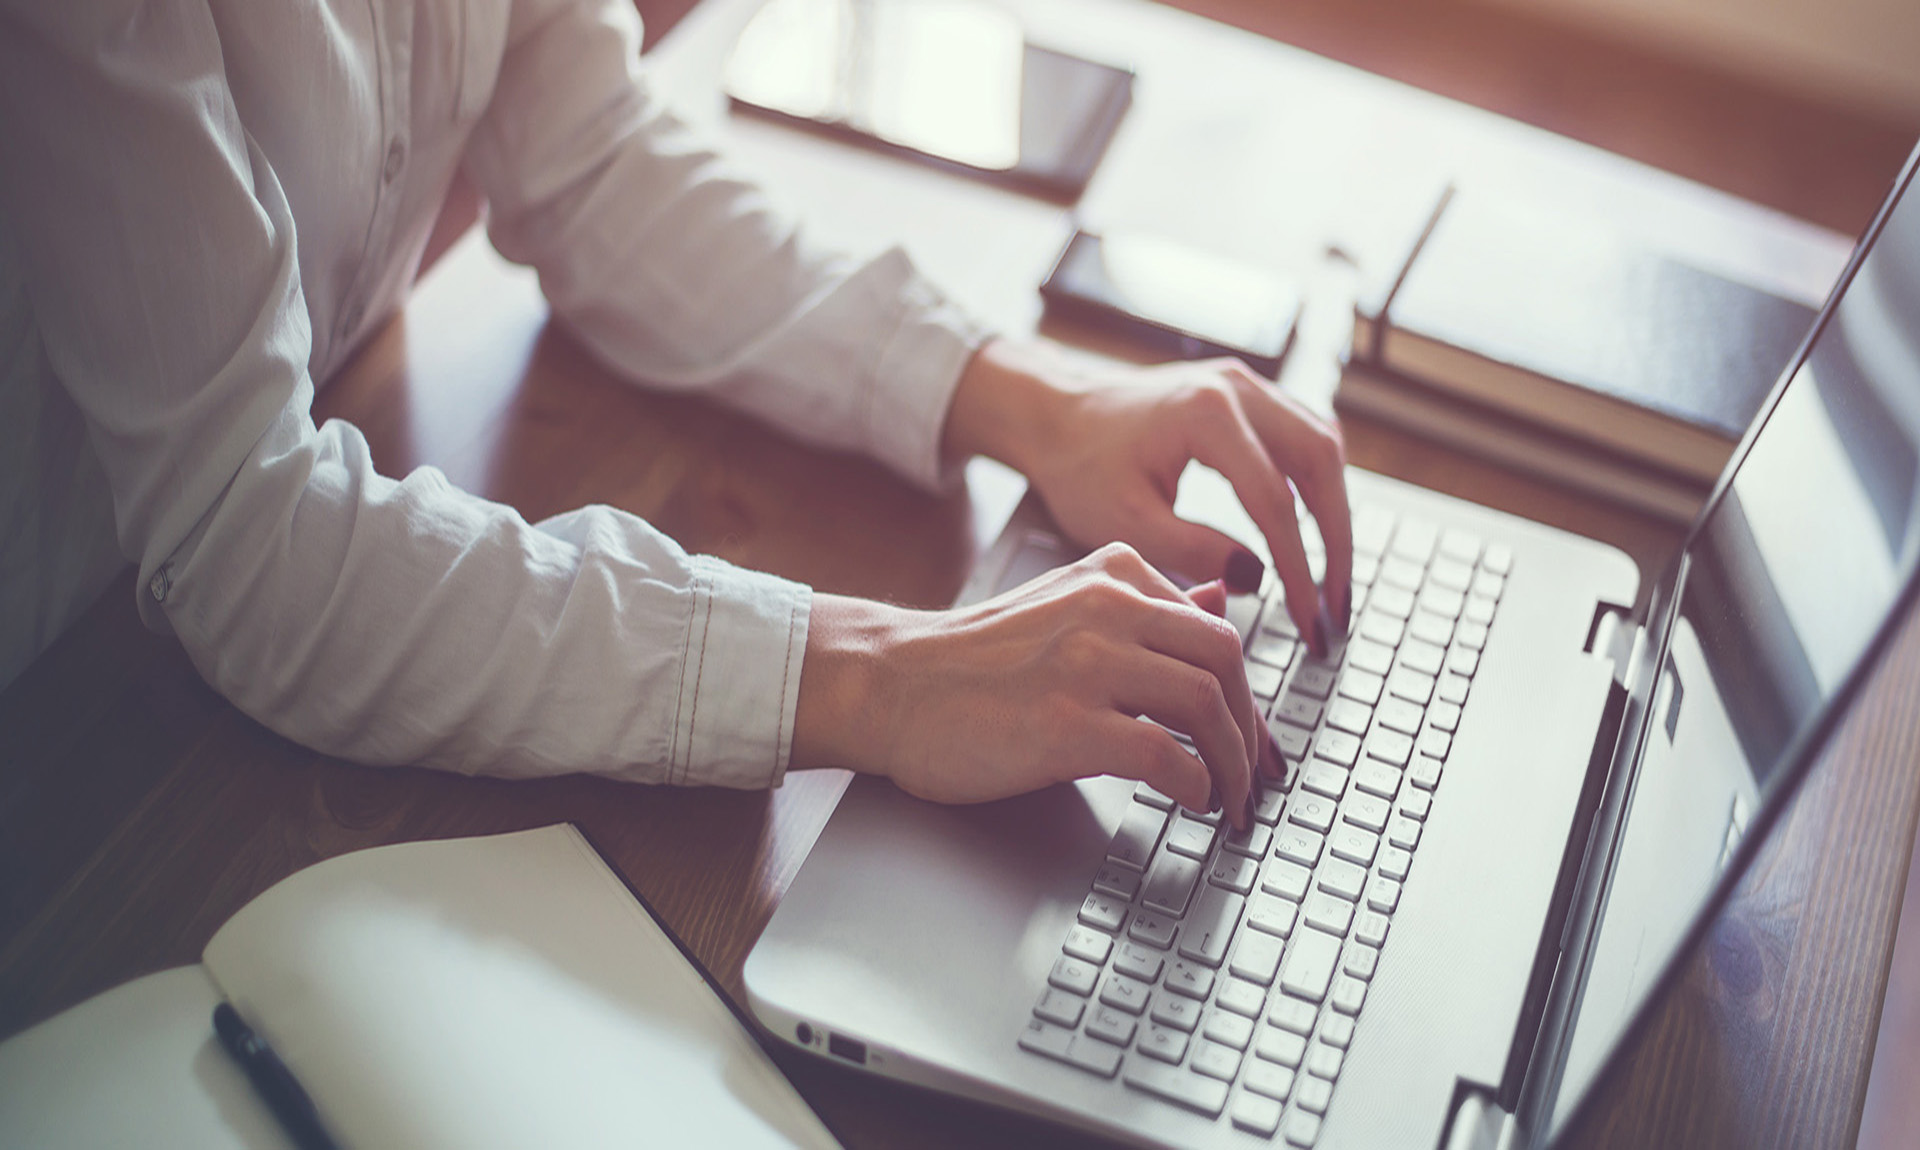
point(1783, 585)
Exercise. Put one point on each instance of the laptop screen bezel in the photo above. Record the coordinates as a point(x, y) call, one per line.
point(1795, 764)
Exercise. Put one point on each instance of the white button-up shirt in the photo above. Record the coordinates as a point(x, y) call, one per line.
point(205, 205)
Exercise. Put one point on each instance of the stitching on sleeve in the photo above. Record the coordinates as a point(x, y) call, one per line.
point(699, 675)
point(780, 733)
point(680, 685)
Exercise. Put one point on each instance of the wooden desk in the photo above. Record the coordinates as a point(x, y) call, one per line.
point(138, 810)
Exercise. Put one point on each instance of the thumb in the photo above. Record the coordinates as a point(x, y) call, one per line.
point(1200, 553)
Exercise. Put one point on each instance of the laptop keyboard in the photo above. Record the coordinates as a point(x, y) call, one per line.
point(1226, 972)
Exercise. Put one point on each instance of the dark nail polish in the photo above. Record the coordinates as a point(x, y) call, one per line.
point(1251, 803)
point(1244, 572)
point(1319, 640)
point(1345, 618)
point(1213, 800)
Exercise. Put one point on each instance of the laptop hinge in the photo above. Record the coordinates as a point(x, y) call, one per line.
point(1614, 636)
point(1476, 1123)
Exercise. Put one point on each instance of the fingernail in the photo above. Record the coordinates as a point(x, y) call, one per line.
point(1346, 610)
point(1247, 813)
point(1244, 572)
point(1213, 800)
point(1318, 643)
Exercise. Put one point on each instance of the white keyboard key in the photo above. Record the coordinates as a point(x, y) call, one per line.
point(1444, 717)
point(1424, 657)
point(1298, 844)
point(1215, 1061)
point(1284, 878)
point(1395, 862)
point(1252, 843)
point(1298, 709)
point(1291, 1014)
point(1435, 743)
point(1234, 872)
point(1087, 944)
point(1453, 688)
point(1411, 685)
point(1389, 746)
point(1088, 1054)
point(1110, 1025)
point(1302, 1129)
point(1196, 1092)
point(1325, 779)
point(1276, 621)
point(1256, 1115)
point(1136, 961)
point(1314, 679)
point(1414, 539)
point(1268, 1078)
point(1180, 1013)
point(1146, 794)
point(1309, 963)
point(1400, 715)
point(1337, 747)
point(1103, 911)
point(1257, 958)
point(1170, 884)
point(1315, 812)
point(1383, 894)
point(1208, 930)
point(1400, 571)
point(1058, 1006)
point(1327, 912)
point(1498, 559)
point(1430, 628)
point(1267, 810)
point(1442, 602)
point(1243, 611)
point(1479, 609)
point(1281, 1047)
point(1472, 636)
point(1458, 543)
point(1357, 845)
point(1045, 1038)
point(1341, 879)
point(1189, 979)
point(1116, 880)
point(1361, 686)
point(1325, 1060)
point(1394, 601)
point(1361, 960)
point(1348, 715)
point(1273, 650)
point(1404, 833)
point(1337, 1030)
point(1152, 928)
point(1139, 832)
point(1265, 680)
point(1123, 993)
point(1451, 574)
point(1190, 837)
point(1368, 655)
point(1241, 997)
point(1312, 1093)
point(1270, 915)
point(1291, 739)
point(1161, 1042)
point(1382, 628)
point(1463, 661)
point(1228, 1029)
point(1349, 995)
point(1425, 772)
point(1363, 810)
point(1377, 778)
point(1416, 804)
point(1370, 927)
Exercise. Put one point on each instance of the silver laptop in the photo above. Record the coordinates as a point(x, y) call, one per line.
point(1513, 808)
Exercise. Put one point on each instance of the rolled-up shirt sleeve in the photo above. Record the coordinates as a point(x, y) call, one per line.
point(382, 620)
point(677, 272)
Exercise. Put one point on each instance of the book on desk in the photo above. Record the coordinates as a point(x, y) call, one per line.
point(1545, 341)
point(498, 991)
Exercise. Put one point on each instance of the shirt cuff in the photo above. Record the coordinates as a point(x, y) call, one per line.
point(914, 381)
point(740, 683)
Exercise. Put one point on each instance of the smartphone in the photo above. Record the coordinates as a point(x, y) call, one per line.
point(1175, 299)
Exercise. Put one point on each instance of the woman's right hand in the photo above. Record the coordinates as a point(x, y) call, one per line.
point(1039, 685)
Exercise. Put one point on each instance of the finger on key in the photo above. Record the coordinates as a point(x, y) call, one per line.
point(1187, 698)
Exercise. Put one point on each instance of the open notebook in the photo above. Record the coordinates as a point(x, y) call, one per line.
point(499, 991)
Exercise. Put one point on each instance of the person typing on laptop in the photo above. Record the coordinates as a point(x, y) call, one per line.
point(208, 206)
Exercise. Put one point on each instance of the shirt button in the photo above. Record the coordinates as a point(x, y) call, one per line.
point(396, 156)
point(160, 584)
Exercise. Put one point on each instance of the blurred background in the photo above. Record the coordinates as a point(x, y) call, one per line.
point(1808, 106)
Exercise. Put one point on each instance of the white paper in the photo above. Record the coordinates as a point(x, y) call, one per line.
point(501, 991)
point(136, 1066)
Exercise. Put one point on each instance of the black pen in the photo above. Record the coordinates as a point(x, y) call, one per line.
point(271, 1078)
